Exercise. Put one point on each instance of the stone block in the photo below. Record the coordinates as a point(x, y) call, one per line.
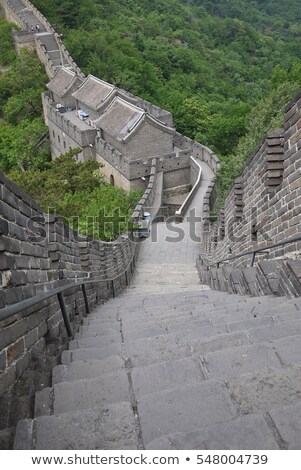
point(22, 364)
point(22, 262)
point(25, 209)
point(287, 420)
point(18, 278)
point(3, 361)
point(10, 198)
point(21, 220)
point(115, 426)
point(16, 232)
point(7, 379)
point(15, 350)
point(9, 244)
point(7, 262)
point(248, 432)
point(263, 390)
point(3, 226)
point(182, 409)
point(30, 338)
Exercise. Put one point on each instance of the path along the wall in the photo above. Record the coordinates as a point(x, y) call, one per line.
point(171, 364)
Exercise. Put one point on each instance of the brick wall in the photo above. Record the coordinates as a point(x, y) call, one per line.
point(149, 141)
point(264, 205)
point(38, 254)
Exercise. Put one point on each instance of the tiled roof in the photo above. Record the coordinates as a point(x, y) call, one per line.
point(120, 118)
point(93, 92)
point(62, 81)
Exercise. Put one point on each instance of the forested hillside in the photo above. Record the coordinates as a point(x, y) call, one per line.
point(73, 191)
point(210, 62)
point(225, 68)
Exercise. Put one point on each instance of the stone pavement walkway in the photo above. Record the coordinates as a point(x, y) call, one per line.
point(171, 364)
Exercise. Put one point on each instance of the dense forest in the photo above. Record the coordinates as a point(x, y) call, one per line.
point(225, 68)
point(76, 192)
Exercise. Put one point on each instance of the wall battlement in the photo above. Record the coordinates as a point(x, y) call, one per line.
point(264, 204)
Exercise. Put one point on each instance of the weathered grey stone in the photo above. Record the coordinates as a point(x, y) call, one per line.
point(7, 379)
point(86, 369)
point(107, 427)
point(2, 360)
point(250, 432)
point(219, 342)
point(95, 342)
point(272, 332)
point(166, 375)
point(289, 349)
point(238, 361)
point(42, 406)
point(147, 351)
point(91, 393)
point(182, 408)
point(249, 323)
point(90, 353)
point(287, 420)
point(23, 363)
point(265, 389)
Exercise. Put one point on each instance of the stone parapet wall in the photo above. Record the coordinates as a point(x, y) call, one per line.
point(146, 201)
point(11, 14)
point(38, 253)
point(45, 58)
point(32, 41)
point(197, 150)
point(81, 137)
point(264, 205)
point(195, 179)
point(23, 39)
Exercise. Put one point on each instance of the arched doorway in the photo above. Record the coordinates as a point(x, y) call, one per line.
point(112, 182)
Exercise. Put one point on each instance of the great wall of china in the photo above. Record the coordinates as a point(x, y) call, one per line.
point(168, 346)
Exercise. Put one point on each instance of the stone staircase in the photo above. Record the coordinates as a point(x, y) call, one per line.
point(25, 14)
point(172, 364)
point(269, 277)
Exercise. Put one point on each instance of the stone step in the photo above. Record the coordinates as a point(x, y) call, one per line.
point(276, 331)
point(150, 329)
point(105, 427)
point(49, 41)
point(260, 391)
point(287, 420)
point(288, 349)
point(86, 369)
point(17, 5)
point(97, 341)
point(249, 432)
point(83, 394)
point(147, 351)
point(268, 276)
point(290, 278)
point(184, 409)
point(215, 343)
point(91, 353)
point(234, 362)
point(167, 375)
point(86, 332)
point(248, 279)
point(222, 301)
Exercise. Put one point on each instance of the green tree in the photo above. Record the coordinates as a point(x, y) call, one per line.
point(7, 51)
